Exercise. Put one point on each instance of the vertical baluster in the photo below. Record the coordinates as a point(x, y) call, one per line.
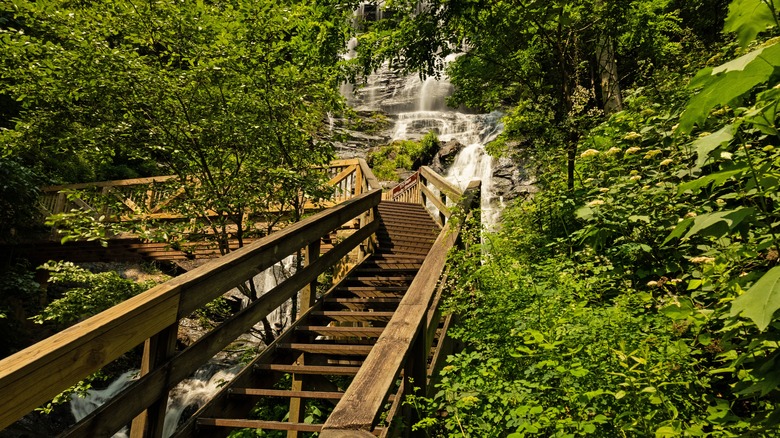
point(308, 297)
point(157, 350)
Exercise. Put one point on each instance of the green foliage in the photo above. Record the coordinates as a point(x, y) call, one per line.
point(230, 96)
point(85, 293)
point(18, 198)
point(643, 302)
point(404, 154)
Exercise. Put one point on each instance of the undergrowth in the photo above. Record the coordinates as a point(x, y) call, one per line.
point(641, 303)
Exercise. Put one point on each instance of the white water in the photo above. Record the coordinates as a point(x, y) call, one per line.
point(192, 393)
point(418, 107)
point(188, 395)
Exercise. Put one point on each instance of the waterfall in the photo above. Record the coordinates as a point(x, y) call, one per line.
point(187, 397)
point(192, 393)
point(417, 107)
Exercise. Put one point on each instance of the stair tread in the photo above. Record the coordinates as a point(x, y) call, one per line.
point(322, 330)
point(329, 395)
point(259, 424)
point(336, 370)
point(338, 349)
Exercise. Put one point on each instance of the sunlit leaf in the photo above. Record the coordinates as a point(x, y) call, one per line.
point(728, 82)
point(716, 179)
point(749, 17)
point(760, 302)
point(720, 222)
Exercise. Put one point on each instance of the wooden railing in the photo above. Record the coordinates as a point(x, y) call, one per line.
point(426, 186)
point(152, 198)
point(406, 341)
point(35, 375)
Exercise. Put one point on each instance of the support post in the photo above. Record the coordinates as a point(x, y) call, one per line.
point(415, 376)
point(157, 350)
point(308, 297)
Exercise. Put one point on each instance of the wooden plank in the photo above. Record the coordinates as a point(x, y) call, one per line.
point(361, 405)
point(261, 392)
point(341, 175)
point(336, 349)
point(258, 424)
point(43, 370)
point(111, 416)
point(446, 187)
point(368, 175)
point(114, 183)
point(433, 199)
point(311, 369)
point(336, 331)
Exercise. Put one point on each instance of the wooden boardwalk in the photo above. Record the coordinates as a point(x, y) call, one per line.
point(326, 347)
point(374, 336)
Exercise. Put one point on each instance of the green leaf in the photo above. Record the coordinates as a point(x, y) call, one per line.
point(713, 223)
point(749, 17)
point(717, 179)
point(678, 230)
point(705, 145)
point(760, 302)
point(728, 82)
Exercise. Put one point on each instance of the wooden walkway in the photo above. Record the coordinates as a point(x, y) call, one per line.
point(327, 346)
point(373, 337)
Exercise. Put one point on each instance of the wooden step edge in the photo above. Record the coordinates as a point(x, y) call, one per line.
point(262, 392)
point(335, 349)
point(352, 313)
point(258, 424)
point(378, 300)
point(342, 331)
point(310, 369)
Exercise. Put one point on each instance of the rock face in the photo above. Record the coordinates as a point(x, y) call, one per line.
point(446, 156)
point(512, 181)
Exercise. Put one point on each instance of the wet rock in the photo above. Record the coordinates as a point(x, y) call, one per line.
point(446, 156)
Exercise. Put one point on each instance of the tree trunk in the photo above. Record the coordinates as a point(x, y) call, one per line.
point(611, 98)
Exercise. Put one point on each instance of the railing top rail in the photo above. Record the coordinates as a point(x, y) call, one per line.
point(368, 174)
point(33, 376)
point(362, 403)
point(157, 179)
point(446, 187)
point(113, 183)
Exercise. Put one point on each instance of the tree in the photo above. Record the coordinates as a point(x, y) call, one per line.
point(227, 95)
point(543, 56)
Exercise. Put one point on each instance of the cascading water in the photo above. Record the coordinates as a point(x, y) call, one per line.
point(192, 393)
point(417, 107)
point(187, 396)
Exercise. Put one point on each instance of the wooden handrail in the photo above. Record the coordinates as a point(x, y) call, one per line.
point(35, 375)
point(151, 203)
point(402, 343)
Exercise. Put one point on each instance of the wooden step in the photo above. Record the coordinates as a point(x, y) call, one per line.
point(258, 424)
point(323, 370)
point(353, 316)
point(342, 332)
point(379, 277)
point(383, 300)
point(262, 392)
point(335, 349)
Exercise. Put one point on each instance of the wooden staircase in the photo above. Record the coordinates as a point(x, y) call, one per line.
point(325, 348)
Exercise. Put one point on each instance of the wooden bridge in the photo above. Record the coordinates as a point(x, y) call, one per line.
point(154, 200)
point(360, 345)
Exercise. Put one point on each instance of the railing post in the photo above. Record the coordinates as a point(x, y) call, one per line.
point(308, 297)
point(442, 216)
point(415, 377)
point(157, 350)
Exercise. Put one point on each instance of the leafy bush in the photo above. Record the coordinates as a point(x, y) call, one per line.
point(86, 293)
point(642, 302)
point(404, 154)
